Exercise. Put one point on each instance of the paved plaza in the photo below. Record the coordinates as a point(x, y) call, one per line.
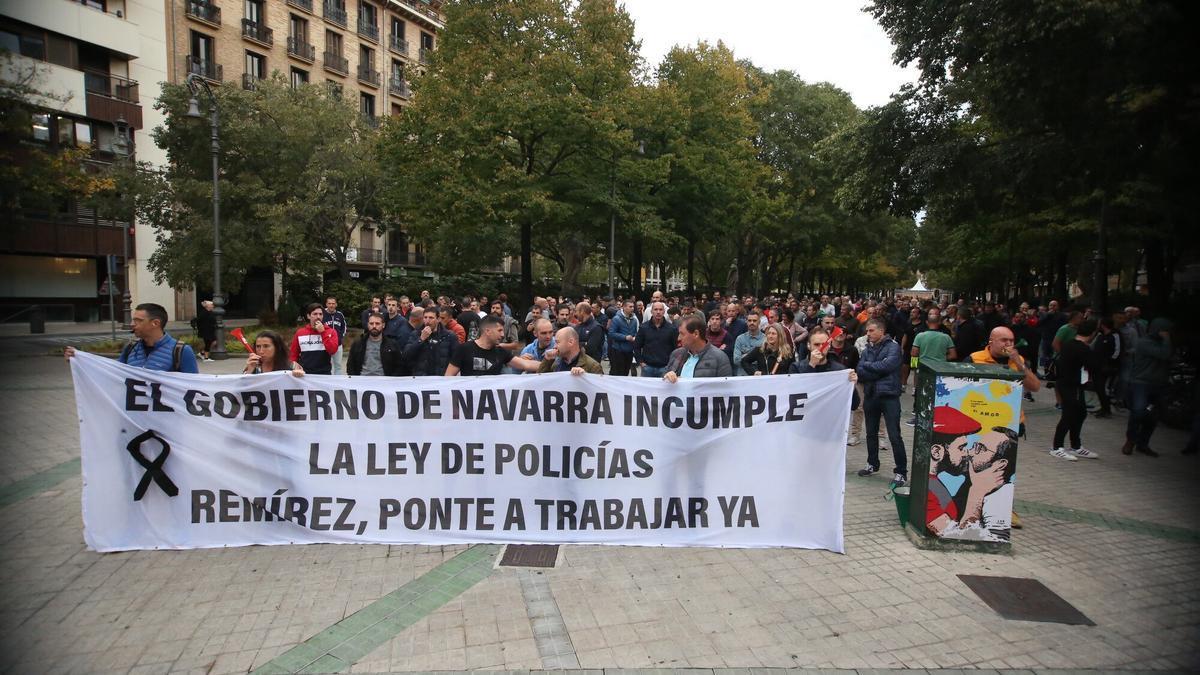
point(1118, 538)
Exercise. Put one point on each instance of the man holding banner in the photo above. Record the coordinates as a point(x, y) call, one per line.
point(153, 349)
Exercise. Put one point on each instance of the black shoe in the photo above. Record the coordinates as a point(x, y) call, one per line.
point(868, 470)
point(1102, 415)
point(1190, 450)
point(1147, 452)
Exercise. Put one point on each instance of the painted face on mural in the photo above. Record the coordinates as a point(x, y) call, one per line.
point(983, 453)
point(951, 457)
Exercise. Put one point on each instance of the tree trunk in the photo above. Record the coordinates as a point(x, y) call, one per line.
point(691, 267)
point(1157, 276)
point(572, 266)
point(526, 299)
point(637, 265)
point(791, 274)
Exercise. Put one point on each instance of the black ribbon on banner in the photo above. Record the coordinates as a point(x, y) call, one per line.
point(154, 468)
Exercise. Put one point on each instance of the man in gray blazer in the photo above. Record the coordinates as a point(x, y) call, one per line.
point(696, 357)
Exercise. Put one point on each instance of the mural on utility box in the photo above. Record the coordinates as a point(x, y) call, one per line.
point(973, 458)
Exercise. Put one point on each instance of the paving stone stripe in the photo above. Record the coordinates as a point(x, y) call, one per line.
point(549, 630)
point(1110, 521)
point(38, 482)
point(340, 646)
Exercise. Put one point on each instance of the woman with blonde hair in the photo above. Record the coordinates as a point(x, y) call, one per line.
point(774, 356)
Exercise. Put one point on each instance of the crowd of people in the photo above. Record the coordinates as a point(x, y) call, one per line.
point(1122, 358)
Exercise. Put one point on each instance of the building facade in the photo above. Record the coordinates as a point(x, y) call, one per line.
point(367, 50)
point(99, 64)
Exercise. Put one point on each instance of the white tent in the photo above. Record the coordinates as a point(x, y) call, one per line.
point(919, 287)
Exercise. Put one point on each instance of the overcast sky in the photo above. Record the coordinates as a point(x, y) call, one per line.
point(820, 40)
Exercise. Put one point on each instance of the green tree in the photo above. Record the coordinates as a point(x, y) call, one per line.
point(513, 132)
point(1038, 131)
point(299, 172)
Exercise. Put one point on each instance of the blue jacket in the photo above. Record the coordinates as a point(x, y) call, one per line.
point(655, 343)
point(618, 328)
point(879, 369)
point(159, 357)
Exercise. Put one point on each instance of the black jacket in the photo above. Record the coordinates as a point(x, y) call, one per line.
point(430, 357)
point(591, 336)
point(762, 361)
point(390, 353)
point(655, 343)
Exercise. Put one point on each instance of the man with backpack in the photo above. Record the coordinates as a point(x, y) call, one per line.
point(154, 349)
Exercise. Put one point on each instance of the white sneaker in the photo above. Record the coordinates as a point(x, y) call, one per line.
point(1084, 453)
point(853, 440)
point(1063, 454)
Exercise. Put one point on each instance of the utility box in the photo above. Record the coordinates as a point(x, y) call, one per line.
point(963, 476)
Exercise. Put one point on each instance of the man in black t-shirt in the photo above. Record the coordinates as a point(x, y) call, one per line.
point(484, 356)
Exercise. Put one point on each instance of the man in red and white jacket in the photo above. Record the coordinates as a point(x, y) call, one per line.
point(314, 343)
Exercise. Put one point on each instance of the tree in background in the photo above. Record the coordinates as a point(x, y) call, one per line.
point(1038, 133)
point(515, 133)
point(299, 172)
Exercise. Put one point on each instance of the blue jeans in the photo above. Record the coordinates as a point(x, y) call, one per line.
point(653, 371)
point(889, 408)
point(1143, 399)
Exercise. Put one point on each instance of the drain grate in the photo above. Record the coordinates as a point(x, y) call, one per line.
point(1024, 600)
point(529, 555)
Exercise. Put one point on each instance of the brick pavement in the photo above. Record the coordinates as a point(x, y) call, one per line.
point(884, 604)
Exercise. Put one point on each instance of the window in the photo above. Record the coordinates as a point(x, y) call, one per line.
point(397, 71)
point(366, 58)
point(298, 29)
point(366, 104)
point(41, 127)
point(367, 15)
point(397, 28)
point(61, 51)
point(83, 134)
point(66, 132)
point(335, 89)
point(202, 47)
point(256, 65)
point(333, 43)
point(426, 40)
point(299, 77)
point(255, 11)
point(10, 42)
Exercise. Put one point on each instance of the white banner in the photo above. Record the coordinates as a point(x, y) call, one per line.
point(191, 461)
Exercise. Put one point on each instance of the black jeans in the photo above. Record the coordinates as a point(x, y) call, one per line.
point(1074, 411)
point(1100, 382)
point(619, 362)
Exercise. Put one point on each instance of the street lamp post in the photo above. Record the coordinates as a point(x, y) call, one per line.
point(197, 84)
point(122, 150)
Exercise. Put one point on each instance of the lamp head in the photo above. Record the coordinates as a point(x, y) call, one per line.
point(194, 108)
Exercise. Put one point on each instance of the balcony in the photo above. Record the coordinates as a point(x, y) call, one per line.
point(75, 231)
point(301, 50)
point(336, 63)
point(334, 14)
point(421, 9)
point(111, 97)
point(58, 87)
point(209, 70)
point(424, 55)
point(257, 32)
point(398, 44)
point(305, 5)
point(364, 256)
point(80, 22)
point(368, 76)
point(203, 11)
point(406, 258)
point(368, 30)
point(398, 87)
point(249, 81)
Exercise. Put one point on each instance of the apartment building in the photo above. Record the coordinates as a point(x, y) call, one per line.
point(367, 50)
point(99, 64)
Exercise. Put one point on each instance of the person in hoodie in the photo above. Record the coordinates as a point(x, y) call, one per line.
point(879, 371)
point(314, 343)
point(1148, 379)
